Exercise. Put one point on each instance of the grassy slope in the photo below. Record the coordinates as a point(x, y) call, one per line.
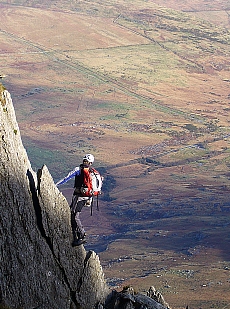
point(149, 95)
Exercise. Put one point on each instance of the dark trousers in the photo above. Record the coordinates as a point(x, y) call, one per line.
point(76, 207)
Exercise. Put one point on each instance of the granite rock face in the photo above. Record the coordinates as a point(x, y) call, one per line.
point(128, 299)
point(39, 267)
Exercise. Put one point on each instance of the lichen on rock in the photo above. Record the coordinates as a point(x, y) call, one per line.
point(39, 267)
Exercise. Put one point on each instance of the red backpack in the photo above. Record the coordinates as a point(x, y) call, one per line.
point(91, 182)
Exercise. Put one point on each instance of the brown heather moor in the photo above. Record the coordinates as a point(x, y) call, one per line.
point(145, 88)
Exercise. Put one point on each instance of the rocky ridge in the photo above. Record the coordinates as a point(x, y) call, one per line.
point(39, 267)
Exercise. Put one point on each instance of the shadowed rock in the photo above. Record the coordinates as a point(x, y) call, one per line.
point(127, 299)
point(39, 267)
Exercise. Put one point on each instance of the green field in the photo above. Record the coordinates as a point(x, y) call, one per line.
point(145, 89)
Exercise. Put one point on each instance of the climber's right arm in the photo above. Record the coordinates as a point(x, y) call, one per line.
point(71, 174)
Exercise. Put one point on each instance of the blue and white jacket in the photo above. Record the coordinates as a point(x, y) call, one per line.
point(71, 174)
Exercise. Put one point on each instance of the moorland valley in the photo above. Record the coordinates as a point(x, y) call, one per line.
point(144, 86)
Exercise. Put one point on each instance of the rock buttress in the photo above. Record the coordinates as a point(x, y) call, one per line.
point(39, 268)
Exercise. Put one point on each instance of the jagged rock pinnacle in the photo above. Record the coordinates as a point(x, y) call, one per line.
point(39, 267)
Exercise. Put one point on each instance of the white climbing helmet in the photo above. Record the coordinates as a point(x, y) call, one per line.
point(89, 157)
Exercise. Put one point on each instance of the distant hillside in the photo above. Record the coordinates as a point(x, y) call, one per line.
point(145, 89)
